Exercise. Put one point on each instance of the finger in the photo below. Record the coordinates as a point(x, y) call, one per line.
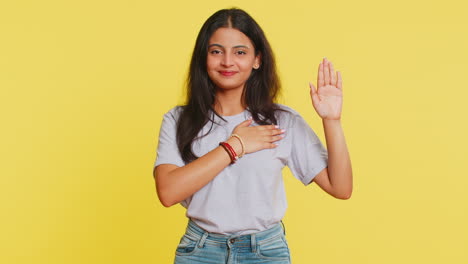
point(275, 132)
point(269, 145)
point(332, 74)
point(312, 88)
point(339, 83)
point(245, 123)
point(326, 71)
point(313, 94)
point(266, 127)
point(320, 79)
point(268, 132)
point(276, 138)
point(315, 100)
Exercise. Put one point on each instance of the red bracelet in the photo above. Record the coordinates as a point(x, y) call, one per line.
point(232, 153)
point(228, 152)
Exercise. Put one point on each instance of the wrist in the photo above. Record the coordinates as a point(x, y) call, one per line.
point(230, 151)
point(331, 121)
point(332, 124)
point(236, 145)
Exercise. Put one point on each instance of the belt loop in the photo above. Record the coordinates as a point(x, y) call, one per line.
point(284, 228)
point(253, 243)
point(202, 240)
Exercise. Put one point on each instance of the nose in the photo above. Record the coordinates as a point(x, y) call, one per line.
point(227, 60)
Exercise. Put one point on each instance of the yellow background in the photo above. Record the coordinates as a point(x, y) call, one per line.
point(84, 85)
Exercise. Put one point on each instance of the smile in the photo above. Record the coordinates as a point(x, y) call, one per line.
point(227, 73)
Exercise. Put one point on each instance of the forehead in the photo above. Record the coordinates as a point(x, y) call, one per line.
point(229, 37)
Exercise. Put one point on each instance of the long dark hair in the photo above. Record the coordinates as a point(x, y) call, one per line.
point(260, 90)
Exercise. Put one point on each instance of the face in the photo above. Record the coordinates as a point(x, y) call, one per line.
point(231, 58)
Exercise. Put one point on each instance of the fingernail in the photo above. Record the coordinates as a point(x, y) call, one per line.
point(277, 126)
point(283, 130)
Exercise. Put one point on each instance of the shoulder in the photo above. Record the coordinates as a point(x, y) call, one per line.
point(286, 109)
point(286, 114)
point(173, 113)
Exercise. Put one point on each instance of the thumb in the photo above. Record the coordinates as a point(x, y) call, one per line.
point(313, 94)
point(245, 123)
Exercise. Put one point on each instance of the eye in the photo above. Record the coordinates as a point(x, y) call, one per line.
point(241, 52)
point(215, 52)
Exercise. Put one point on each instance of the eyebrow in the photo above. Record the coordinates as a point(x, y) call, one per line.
point(221, 46)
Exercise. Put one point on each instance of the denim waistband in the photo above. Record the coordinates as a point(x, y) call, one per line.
point(250, 240)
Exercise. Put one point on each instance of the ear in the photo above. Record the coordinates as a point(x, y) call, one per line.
point(257, 61)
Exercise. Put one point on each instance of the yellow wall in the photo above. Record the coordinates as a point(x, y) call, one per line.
point(84, 85)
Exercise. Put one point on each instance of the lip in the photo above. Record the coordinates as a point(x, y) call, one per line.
point(227, 73)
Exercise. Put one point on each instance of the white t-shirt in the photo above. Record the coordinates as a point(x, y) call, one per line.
point(247, 196)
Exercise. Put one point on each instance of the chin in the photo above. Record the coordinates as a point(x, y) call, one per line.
point(229, 86)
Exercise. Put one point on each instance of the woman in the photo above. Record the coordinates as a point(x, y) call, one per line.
point(222, 153)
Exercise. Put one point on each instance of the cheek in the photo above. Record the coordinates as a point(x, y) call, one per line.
point(246, 66)
point(248, 63)
point(211, 63)
point(211, 67)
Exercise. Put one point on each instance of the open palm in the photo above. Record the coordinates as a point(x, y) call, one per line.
point(327, 99)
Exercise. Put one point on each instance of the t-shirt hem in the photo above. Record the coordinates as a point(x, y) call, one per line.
point(167, 162)
point(308, 180)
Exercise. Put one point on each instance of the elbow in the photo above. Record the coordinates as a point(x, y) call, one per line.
point(167, 197)
point(343, 190)
point(166, 203)
point(343, 194)
point(166, 200)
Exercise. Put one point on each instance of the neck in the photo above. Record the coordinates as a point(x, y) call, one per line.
point(229, 102)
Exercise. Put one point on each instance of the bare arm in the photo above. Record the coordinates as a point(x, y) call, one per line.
point(337, 179)
point(175, 184)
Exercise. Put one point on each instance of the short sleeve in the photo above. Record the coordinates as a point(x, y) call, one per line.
point(308, 156)
point(167, 151)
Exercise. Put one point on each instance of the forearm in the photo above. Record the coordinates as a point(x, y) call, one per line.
point(180, 183)
point(339, 163)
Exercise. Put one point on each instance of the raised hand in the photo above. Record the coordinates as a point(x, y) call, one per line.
point(327, 99)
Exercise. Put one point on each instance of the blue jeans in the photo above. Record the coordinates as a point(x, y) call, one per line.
point(200, 246)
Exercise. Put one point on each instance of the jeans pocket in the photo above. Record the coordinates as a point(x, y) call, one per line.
point(275, 249)
point(187, 246)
